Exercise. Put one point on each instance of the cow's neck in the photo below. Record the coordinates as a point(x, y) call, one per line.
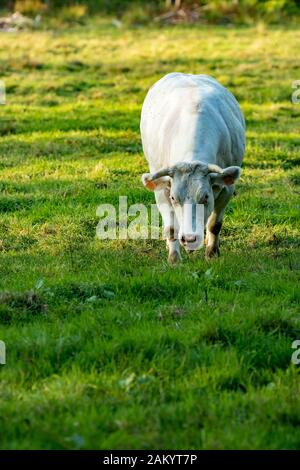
point(204, 157)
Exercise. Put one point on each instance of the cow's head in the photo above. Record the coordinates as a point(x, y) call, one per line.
point(190, 187)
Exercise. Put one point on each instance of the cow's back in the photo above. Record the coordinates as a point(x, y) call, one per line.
point(186, 116)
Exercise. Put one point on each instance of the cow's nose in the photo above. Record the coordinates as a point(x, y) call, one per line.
point(188, 238)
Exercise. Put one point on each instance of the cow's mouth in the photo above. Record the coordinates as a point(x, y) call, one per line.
point(192, 243)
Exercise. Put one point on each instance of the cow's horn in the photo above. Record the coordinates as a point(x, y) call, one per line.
point(164, 172)
point(214, 168)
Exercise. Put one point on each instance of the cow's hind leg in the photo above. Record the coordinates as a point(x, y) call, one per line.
point(170, 225)
point(215, 221)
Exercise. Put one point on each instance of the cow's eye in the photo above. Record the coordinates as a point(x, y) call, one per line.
point(172, 198)
point(203, 199)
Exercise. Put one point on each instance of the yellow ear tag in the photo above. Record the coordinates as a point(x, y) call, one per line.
point(151, 185)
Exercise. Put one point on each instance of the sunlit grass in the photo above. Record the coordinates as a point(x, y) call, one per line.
point(108, 346)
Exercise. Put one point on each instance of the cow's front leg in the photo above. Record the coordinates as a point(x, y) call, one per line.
point(174, 251)
point(215, 221)
point(170, 225)
point(213, 229)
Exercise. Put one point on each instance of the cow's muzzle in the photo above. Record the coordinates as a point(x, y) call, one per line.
point(192, 242)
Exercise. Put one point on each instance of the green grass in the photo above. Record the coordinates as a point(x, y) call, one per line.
point(108, 346)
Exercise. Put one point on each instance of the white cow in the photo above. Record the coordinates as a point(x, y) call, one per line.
point(193, 135)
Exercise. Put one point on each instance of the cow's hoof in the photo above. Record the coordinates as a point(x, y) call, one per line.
point(174, 257)
point(211, 251)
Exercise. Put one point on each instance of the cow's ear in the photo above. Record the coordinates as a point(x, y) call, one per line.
point(155, 184)
point(227, 177)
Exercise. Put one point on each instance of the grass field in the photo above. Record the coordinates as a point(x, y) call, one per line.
point(107, 345)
